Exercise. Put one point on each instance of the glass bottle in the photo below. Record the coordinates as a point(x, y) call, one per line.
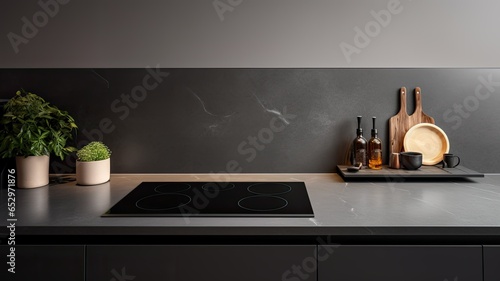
point(374, 150)
point(359, 147)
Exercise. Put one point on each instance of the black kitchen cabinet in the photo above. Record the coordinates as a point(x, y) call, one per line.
point(396, 263)
point(201, 262)
point(491, 263)
point(44, 263)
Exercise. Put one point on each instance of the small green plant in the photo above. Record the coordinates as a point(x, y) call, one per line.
point(94, 151)
point(34, 127)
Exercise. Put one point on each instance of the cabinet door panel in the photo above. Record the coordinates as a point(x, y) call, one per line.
point(395, 263)
point(199, 262)
point(45, 263)
point(491, 263)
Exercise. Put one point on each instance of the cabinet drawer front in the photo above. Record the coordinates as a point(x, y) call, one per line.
point(45, 263)
point(395, 263)
point(491, 263)
point(227, 262)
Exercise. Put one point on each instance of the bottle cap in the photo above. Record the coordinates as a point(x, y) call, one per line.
point(359, 130)
point(374, 131)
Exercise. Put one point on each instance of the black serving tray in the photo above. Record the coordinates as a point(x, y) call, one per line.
point(425, 172)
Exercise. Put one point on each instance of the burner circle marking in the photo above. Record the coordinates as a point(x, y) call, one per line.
point(168, 188)
point(259, 200)
point(170, 201)
point(269, 188)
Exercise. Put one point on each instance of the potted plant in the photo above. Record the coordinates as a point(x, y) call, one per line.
point(93, 164)
point(32, 130)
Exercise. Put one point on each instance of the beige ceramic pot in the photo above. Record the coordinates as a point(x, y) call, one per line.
point(32, 171)
point(93, 172)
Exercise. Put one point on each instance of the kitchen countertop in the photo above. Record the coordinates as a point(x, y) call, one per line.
point(408, 208)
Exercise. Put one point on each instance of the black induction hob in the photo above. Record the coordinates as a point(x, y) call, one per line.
point(215, 199)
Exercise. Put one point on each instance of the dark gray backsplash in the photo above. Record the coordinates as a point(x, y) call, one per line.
point(260, 120)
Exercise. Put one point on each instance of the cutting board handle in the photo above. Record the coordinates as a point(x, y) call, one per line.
point(418, 101)
point(402, 97)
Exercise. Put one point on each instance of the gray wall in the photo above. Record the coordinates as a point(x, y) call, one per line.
point(255, 33)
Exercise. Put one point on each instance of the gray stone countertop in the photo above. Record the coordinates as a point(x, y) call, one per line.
point(453, 207)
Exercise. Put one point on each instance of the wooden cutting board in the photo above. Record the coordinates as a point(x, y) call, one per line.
point(400, 123)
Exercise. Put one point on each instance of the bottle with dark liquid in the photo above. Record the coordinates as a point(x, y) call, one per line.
point(374, 150)
point(359, 147)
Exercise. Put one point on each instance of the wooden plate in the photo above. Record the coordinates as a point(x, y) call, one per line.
point(429, 140)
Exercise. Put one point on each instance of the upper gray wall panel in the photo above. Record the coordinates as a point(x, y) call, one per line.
point(255, 33)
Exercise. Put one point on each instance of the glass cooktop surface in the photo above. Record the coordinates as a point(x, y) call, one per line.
point(215, 199)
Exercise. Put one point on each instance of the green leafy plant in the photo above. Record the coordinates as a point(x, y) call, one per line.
point(94, 151)
point(34, 127)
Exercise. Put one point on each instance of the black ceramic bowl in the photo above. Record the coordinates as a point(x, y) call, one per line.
point(411, 160)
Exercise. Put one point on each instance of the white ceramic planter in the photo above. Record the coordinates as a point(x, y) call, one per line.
point(93, 172)
point(32, 171)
